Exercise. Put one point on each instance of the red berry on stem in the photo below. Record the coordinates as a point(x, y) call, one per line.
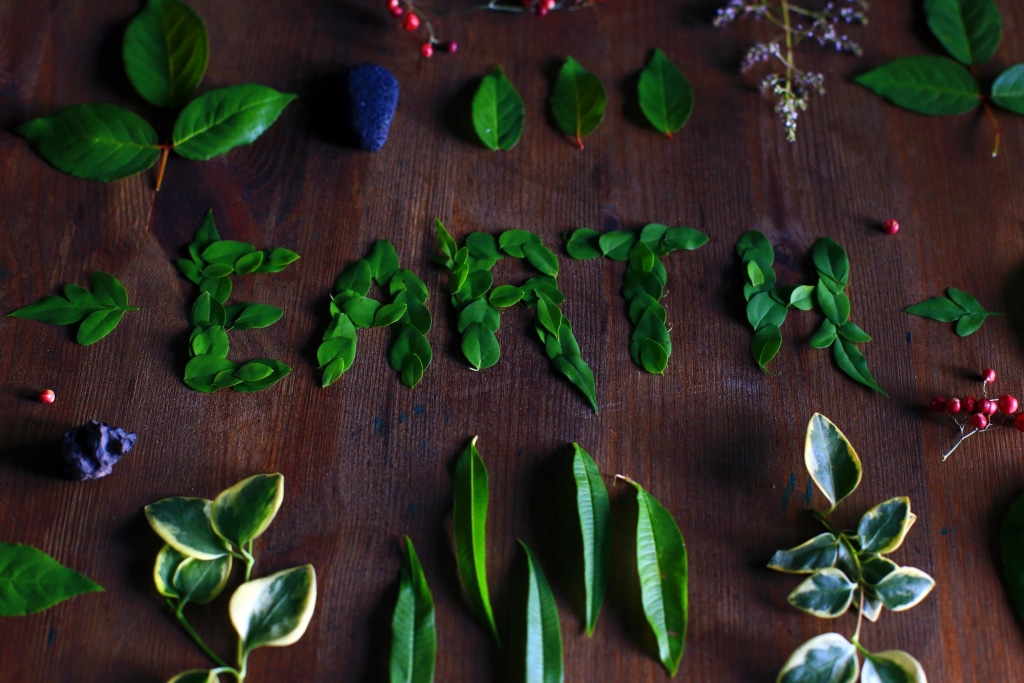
point(953, 406)
point(47, 396)
point(938, 404)
point(397, 11)
point(542, 10)
point(411, 22)
point(1018, 422)
point(1008, 404)
point(891, 226)
point(550, 4)
point(988, 375)
point(427, 50)
point(979, 421)
point(394, 3)
point(988, 407)
point(451, 47)
point(969, 404)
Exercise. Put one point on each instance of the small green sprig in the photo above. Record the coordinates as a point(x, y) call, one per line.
point(99, 309)
point(850, 568)
point(956, 307)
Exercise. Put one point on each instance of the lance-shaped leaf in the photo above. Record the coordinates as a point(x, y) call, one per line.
point(904, 588)
point(184, 524)
point(851, 361)
point(543, 632)
point(926, 84)
point(594, 513)
point(892, 666)
point(166, 51)
point(94, 141)
point(970, 30)
point(883, 527)
point(275, 610)
point(826, 594)
point(221, 120)
point(248, 316)
point(498, 111)
point(831, 460)
point(817, 553)
point(578, 101)
point(31, 581)
point(828, 658)
point(1011, 548)
point(661, 563)
point(937, 308)
point(469, 515)
point(1008, 89)
point(665, 96)
point(244, 511)
point(413, 632)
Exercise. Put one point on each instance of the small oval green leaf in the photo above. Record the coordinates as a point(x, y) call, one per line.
point(831, 460)
point(577, 101)
point(275, 610)
point(219, 121)
point(665, 96)
point(480, 346)
point(765, 344)
point(498, 112)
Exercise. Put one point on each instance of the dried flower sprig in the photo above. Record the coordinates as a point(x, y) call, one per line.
point(792, 87)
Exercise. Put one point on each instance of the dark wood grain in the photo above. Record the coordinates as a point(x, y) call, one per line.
point(716, 440)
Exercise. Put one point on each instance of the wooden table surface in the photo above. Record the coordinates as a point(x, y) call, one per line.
point(366, 461)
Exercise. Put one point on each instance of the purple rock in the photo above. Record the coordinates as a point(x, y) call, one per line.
point(372, 99)
point(90, 451)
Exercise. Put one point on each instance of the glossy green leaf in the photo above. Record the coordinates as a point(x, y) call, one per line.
point(904, 588)
point(445, 243)
point(383, 261)
point(94, 141)
point(926, 84)
point(278, 371)
point(576, 370)
point(196, 676)
point(218, 287)
point(469, 515)
point(184, 524)
point(226, 252)
point(249, 263)
point(665, 96)
point(827, 593)
point(577, 101)
point(244, 511)
point(504, 296)
point(277, 259)
point(247, 316)
point(1011, 550)
point(275, 610)
point(763, 310)
point(480, 346)
point(543, 661)
point(968, 302)
point(683, 239)
point(409, 355)
point(498, 112)
point(852, 362)
point(892, 666)
point(389, 314)
point(831, 460)
point(32, 581)
point(167, 562)
point(1008, 89)
point(852, 332)
point(662, 566)
point(549, 316)
point(828, 658)
point(825, 336)
point(201, 581)
point(836, 307)
point(874, 568)
point(108, 290)
point(98, 325)
point(882, 528)
point(753, 243)
point(970, 30)
point(818, 553)
point(219, 121)
point(413, 632)
point(584, 244)
point(969, 324)
point(830, 260)
point(541, 258)
point(253, 372)
point(617, 244)
point(166, 51)
point(54, 310)
point(201, 372)
point(594, 513)
point(937, 308)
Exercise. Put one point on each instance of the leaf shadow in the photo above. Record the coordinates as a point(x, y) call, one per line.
point(110, 59)
point(40, 457)
point(630, 102)
point(378, 627)
point(327, 111)
point(456, 113)
point(320, 311)
point(511, 661)
point(1013, 305)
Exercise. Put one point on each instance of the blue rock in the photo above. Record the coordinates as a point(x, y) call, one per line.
point(372, 99)
point(90, 451)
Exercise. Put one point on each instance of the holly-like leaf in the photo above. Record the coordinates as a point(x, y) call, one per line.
point(184, 524)
point(827, 593)
point(577, 101)
point(94, 141)
point(828, 658)
point(498, 112)
point(413, 631)
point(166, 51)
point(1008, 89)
point(275, 610)
point(32, 581)
point(219, 121)
point(594, 513)
point(665, 96)
point(818, 553)
point(831, 460)
point(970, 30)
point(904, 588)
point(244, 511)
point(926, 84)
point(543, 661)
point(892, 666)
point(882, 528)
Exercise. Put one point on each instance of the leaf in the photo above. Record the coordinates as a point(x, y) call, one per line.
point(584, 244)
point(54, 310)
point(32, 581)
point(469, 515)
point(852, 332)
point(818, 553)
point(904, 588)
point(549, 316)
point(278, 371)
point(410, 354)
point(543, 634)
point(275, 610)
point(617, 244)
point(594, 513)
point(852, 362)
point(576, 370)
point(98, 325)
point(196, 676)
point(541, 258)
point(413, 631)
point(277, 259)
point(765, 344)
point(662, 566)
point(244, 511)
point(874, 568)
point(969, 324)
point(926, 84)
point(389, 314)
point(970, 30)
point(965, 300)
point(937, 308)
point(108, 290)
point(653, 357)
point(825, 336)
point(763, 310)
point(201, 371)
point(383, 261)
point(641, 257)
point(754, 244)
point(830, 260)
point(1011, 549)
point(1008, 89)
point(184, 524)
point(892, 666)
point(200, 581)
point(498, 112)
point(94, 141)
point(219, 121)
point(504, 296)
point(577, 101)
point(246, 316)
point(665, 96)
point(882, 528)
point(831, 460)
point(446, 244)
point(836, 307)
point(511, 242)
point(826, 594)
point(480, 346)
point(166, 51)
point(167, 561)
point(828, 658)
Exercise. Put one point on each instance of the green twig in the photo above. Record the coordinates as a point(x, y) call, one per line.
point(180, 615)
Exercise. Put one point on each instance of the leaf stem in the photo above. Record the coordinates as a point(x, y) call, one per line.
point(180, 615)
point(860, 620)
point(962, 438)
point(995, 126)
point(163, 166)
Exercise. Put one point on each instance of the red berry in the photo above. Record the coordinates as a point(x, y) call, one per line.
point(394, 3)
point(938, 404)
point(451, 47)
point(1008, 404)
point(1018, 422)
point(953, 406)
point(969, 404)
point(411, 22)
point(891, 226)
point(47, 396)
point(988, 375)
point(397, 11)
point(979, 421)
point(550, 4)
point(427, 50)
point(542, 10)
point(988, 407)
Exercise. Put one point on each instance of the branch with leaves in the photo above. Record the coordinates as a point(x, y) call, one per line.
point(956, 307)
point(99, 309)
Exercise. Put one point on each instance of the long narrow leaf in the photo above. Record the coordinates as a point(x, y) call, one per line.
point(593, 510)
point(413, 631)
point(543, 634)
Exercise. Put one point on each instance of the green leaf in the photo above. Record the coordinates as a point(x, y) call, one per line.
point(825, 336)
point(479, 311)
point(383, 261)
point(969, 324)
point(274, 610)
point(852, 362)
point(965, 300)
point(469, 515)
point(54, 310)
point(413, 631)
point(937, 308)
point(167, 562)
point(874, 568)
point(1008, 89)
point(200, 581)
point(653, 357)
point(246, 316)
point(541, 258)
point(108, 290)
point(970, 30)
point(892, 666)
point(584, 244)
point(410, 354)
point(498, 112)
point(248, 264)
point(94, 141)
point(218, 287)
point(480, 346)
point(226, 252)
point(277, 259)
point(662, 566)
point(98, 325)
point(828, 658)
point(763, 310)
point(278, 371)
point(32, 581)
point(882, 528)
point(818, 553)
point(831, 460)
point(852, 332)
point(826, 594)
point(512, 241)
point(594, 512)
point(196, 676)
point(904, 588)
point(617, 244)
point(201, 371)
point(926, 84)
point(543, 634)
point(549, 316)
point(753, 243)
point(504, 296)
point(1011, 549)
point(577, 101)
point(576, 370)
point(765, 344)
point(389, 314)
point(830, 260)
point(244, 511)
point(665, 96)
point(641, 257)
point(836, 307)
point(83, 298)
point(446, 244)
point(184, 524)
point(166, 51)
point(219, 121)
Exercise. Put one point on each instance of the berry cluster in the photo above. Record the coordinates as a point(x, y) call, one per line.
point(983, 414)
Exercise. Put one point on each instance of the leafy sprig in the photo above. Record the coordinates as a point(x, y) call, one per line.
point(32, 581)
point(99, 309)
point(956, 307)
point(577, 101)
